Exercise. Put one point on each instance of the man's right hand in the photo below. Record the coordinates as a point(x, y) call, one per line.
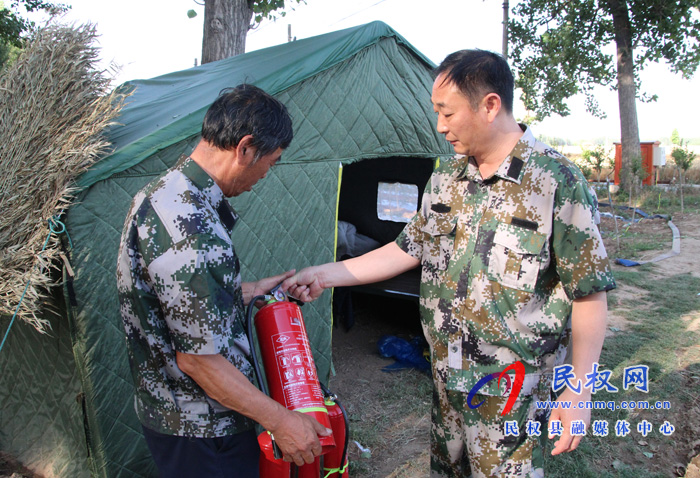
point(380, 264)
point(304, 285)
point(297, 436)
point(295, 433)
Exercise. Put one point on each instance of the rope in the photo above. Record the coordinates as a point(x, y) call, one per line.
point(55, 222)
point(55, 227)
point(340, 471)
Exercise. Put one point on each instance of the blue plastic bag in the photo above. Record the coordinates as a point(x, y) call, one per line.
point(407, 354)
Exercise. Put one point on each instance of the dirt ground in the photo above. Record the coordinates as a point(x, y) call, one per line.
point(365, 390)
point(11, 468)
point(403, 448)
point(688, 261)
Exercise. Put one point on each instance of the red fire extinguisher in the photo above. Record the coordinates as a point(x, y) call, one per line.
point(335, 462)
point(271, 464)
point(291, 376)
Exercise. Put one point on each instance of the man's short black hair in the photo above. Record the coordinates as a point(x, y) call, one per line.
point(243, 110)
point(477, 73)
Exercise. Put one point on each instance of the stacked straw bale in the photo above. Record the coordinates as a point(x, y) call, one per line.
point(54, 106)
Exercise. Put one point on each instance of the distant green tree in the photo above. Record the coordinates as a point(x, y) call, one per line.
point(675, 137)
point(559, 50)
point(598, 158)
point(7, 53)
point(13, 27)
point(683, 158)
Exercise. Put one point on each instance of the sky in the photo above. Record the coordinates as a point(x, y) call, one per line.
point(148, 38)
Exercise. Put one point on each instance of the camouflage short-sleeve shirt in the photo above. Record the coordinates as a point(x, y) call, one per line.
point(502, 259)
point(180, 290)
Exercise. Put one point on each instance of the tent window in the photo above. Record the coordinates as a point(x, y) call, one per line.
point(397, 202)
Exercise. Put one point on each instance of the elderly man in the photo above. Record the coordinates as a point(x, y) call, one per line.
point(513, 268)
point(182, 301)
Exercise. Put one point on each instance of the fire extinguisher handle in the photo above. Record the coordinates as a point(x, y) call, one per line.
point(282, 296)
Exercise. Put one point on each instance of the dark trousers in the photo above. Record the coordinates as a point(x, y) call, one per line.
point(234, 456)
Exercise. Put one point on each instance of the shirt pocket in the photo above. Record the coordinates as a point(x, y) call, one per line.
point(515, 257)
point(440, 235)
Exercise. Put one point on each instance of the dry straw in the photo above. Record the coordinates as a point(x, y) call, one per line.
point(54, 106)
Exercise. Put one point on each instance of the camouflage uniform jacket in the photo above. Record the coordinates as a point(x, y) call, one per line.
point(502, 259)
point(180, 290)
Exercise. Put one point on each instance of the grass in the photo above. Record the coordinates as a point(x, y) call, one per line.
point(658, 336)
point(404, 397)
point(635, 241)
point(656, 199)
point(633, 244)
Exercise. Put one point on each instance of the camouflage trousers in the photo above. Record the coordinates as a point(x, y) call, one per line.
point(469, 442)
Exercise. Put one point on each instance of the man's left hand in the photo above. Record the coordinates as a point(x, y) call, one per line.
point(567, 441)
point(263, 286)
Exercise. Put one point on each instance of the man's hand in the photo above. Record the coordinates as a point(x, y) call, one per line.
point(588, 322)
point(305, 285)
point(377, 265)
point(263, 286)
point(295, 433)
point(567, 441)
point(297, 436)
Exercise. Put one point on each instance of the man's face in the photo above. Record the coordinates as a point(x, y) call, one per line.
point(248, 176)
point(461, 125)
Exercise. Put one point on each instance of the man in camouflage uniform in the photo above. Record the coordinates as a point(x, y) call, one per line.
point(513, 268)
point(182, 301)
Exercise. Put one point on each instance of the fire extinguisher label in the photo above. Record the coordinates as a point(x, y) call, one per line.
point(297, 371)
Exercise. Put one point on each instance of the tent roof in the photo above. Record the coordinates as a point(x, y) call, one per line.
point(169, 108)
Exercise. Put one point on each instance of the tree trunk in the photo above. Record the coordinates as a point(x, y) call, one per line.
point(506, 9)
point(626, 91)
point(226, 24)
point(682, 174)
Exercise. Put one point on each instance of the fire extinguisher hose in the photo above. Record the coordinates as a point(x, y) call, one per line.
point(277, 453)
point(253, 352)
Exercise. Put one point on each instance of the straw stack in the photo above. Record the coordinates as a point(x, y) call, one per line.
point(54, 106)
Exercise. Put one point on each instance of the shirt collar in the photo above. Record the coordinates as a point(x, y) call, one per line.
point(210, 190)
point(511, 169)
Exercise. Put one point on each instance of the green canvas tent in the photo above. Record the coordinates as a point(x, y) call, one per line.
point(359, 98)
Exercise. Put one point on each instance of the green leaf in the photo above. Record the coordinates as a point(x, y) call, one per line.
point(558, 47)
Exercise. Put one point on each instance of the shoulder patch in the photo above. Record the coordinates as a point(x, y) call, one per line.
point(516, 165)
